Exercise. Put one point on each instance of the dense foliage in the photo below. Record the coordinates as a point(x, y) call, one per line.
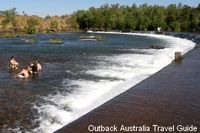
point(107, 17)
point(9, 17)
point(144, 17)
point(11, 21)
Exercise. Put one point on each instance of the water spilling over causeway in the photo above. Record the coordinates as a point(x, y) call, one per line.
point(79, 76)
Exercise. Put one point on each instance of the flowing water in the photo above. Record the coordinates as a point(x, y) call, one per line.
point(77, 76)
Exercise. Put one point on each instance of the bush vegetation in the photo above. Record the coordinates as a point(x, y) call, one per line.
point(56, 41)
point(107, 17)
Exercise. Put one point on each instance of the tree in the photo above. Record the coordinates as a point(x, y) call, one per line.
point(157, 17)
point(185, 12)
point(54, 25)
point(73, 25)
point(143, 21)
point(81, 18)
point(9, 17)
point(175, 26)
point(31, 25)
point(109, 17)
point(194, 20)
point(171, 13)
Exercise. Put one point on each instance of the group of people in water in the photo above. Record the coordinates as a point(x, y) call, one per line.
point(32, 68)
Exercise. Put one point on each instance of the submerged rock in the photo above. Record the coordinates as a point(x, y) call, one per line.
point(197, 46)
point(30, 40)
point(92, 37)
point(156, 47)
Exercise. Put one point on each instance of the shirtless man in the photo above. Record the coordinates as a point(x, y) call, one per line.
point(39, 67)
point(24, 73)
point(13, 63)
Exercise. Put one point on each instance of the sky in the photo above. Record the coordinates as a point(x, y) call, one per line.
point(62, 7)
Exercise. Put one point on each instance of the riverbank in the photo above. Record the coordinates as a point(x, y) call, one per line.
point(169, 97)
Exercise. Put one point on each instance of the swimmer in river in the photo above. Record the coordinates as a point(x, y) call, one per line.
point(38, 65)
point(29, 68)
point(33, 68)
point(24, 73)
point(13, 63)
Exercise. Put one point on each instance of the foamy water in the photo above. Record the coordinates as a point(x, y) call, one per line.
point(128, 69)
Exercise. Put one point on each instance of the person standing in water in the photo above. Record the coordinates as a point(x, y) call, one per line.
point(13, 63)
point(33, 68)
point(38, 65)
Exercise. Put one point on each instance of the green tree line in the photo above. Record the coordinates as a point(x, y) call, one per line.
point(107, 17)
point(144, 17)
